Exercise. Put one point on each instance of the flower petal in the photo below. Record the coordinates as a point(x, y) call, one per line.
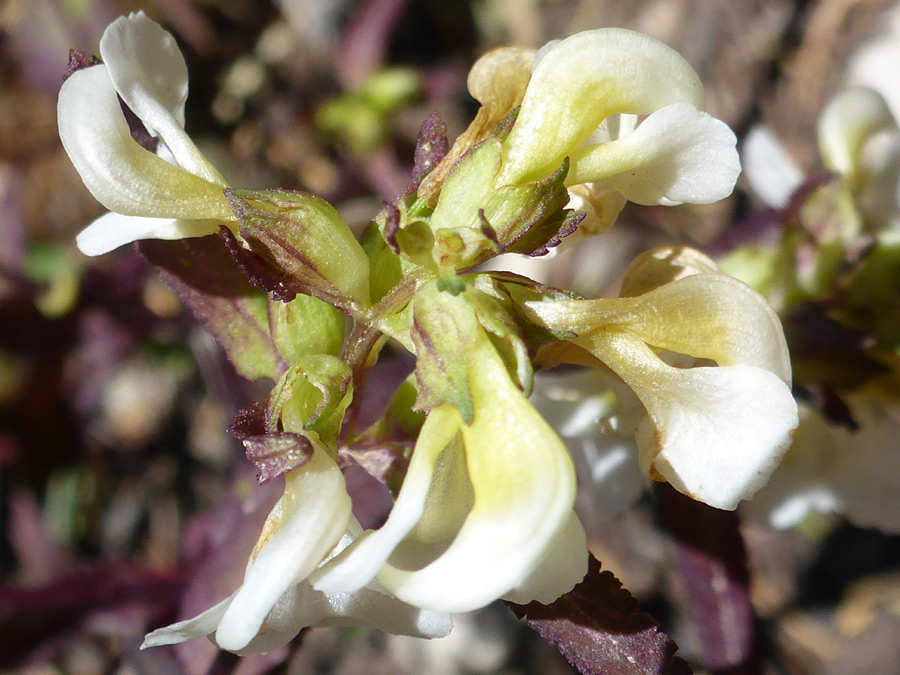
point(770, 170)
point(596, 415)
point(563, 562)
point(716, 434)
point(302, 529)
point(301, 606)
point(677, 155)
point(583, 80)
point(200, 626)
point(661, 265)
point(524, 486)
point(149, 73)
point(711, 316)
point(846, 123)
point(357, 565)
point(119, 173)
point(112, 230)
point(497, 81)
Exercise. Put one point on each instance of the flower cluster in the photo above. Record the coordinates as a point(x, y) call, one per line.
point(485, 508)
point(832, 273)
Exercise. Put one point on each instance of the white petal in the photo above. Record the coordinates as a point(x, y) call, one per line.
point(677, 155)
point(149, 73)
point(314, 513)
point(564, 563)
point(875, 64)
point(112, 230)
point(301, 606)
point(716, 434)
point(357, 565)
point(524, 486)
point(583, 80)
point(119, 173)
point(661, 265)
point(710, 316)
point(768, 167)
point(190, 629)
point(596, 415)
point(847, 122)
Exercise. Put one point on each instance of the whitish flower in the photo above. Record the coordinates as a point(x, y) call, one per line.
point(148, 196)
point(715, 432)
point(676, 154)
point(597, 416)
point(309, 524)
point(485, 510)
point(834, 469)
point(858, 139)
point(627, 111)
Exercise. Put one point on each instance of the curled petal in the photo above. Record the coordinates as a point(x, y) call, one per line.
point(583, 80)
point(768, 167)
point(200, 626)
point(847, 122)
point(711, 316)
point(524, 487)
point(122, 175)
point(498, 80)
point(358, 564)
point(716, 434)
point(677, 155)
point(303, 528)
point(113, 230)
point(661, 265)
point(149, 73)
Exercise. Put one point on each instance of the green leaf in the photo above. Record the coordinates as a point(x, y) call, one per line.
point(304, 326)
point(202, 272)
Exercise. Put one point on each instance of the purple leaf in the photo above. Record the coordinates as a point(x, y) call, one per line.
point(274, 452)
point(260, 273)
point(431, 146)
point(202, 272)
point(711, 564)
point(597, 626)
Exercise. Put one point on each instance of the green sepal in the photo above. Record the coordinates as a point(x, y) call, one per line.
point(448, 322)
point(471, 200)
point(305, 325)
point(444, 332)
point(492, 310)
point(385, 267)
point(304, 237)
point(311, 398)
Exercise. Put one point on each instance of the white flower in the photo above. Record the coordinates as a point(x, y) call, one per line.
point(677, 154)
point(485, 510)
point(148, 196)
point(714, 433)
point(596, 416)
point(858, 139)
point(833, 469)
point(623, 107)
point(309, 524)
